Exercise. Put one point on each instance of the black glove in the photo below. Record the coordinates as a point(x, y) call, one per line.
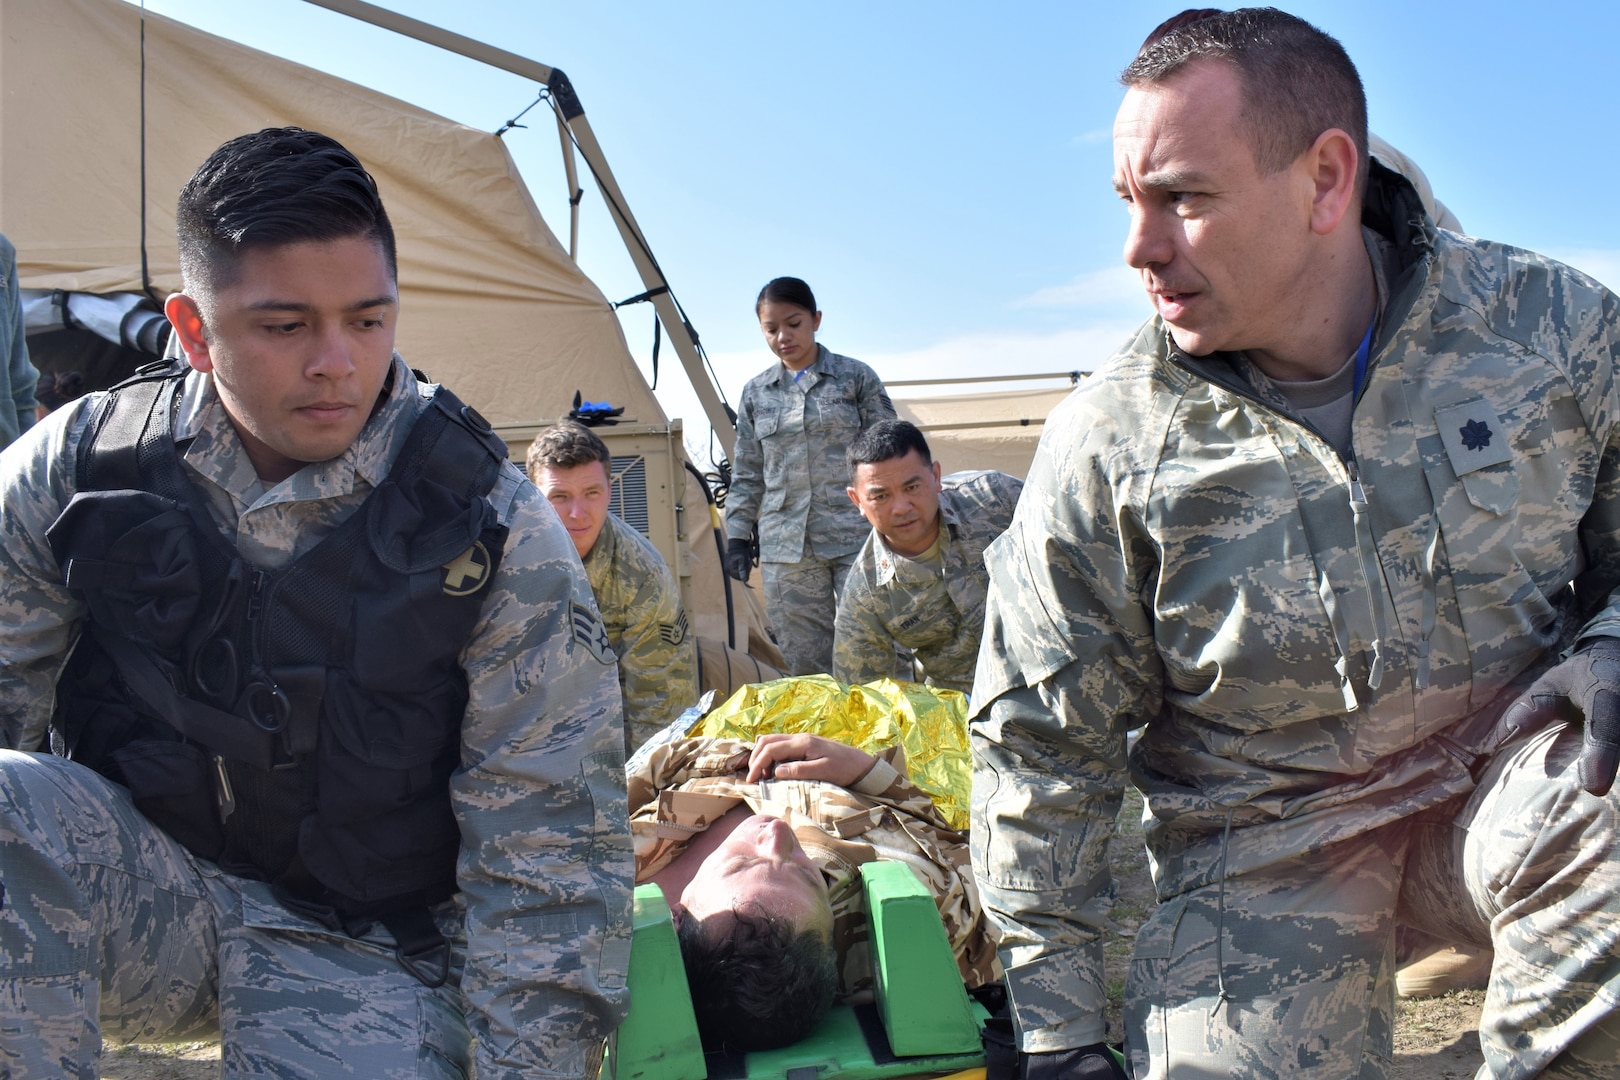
point(1004, 1061)
point(1093, 1062)
point(739, 557)
point(1588, 682)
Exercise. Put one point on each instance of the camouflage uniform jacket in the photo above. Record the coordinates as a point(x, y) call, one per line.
point(789, 474)
point(938, 616)
point(545, 864)
point(641, 608)
point(1317, 645)
point(679, 789)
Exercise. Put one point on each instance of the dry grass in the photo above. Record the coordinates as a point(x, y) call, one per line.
point(174, 1061)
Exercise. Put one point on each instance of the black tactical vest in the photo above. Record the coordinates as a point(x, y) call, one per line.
point(297, 725)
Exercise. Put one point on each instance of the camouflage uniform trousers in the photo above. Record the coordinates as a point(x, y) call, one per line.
point(1303, 952)
point(110, 928)
point(802, 600)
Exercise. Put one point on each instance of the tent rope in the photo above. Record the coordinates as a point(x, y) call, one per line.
point(651, 258)
point(513, 123)
point(723, 476)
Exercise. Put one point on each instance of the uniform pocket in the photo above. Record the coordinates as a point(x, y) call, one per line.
point(1473, 475)
point(1476, 444)
point(445, 1040)
point(1023, 839)
point(603, 774)
point(1295, 555)
point(1494, 489)
point(986, 783)
point(840, 413)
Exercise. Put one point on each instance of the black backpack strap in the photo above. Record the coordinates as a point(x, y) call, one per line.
point(418, 945)
point(472, 438)
point(132, 429)
point(434, 504)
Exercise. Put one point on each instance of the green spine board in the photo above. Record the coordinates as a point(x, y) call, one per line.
point(920, 995)
point(659, 1038)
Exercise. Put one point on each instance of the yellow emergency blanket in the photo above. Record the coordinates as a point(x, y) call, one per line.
point(929, 722)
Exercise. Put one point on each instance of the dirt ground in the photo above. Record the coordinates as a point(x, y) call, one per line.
point(1434, 1039)
point(177, 1061)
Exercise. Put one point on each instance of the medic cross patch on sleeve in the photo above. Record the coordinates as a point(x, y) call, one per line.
point(467, 572)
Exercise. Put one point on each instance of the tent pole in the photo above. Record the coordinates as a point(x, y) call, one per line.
point(444, 39)
point(680, 331)
point(575, 192)
point(572, 113)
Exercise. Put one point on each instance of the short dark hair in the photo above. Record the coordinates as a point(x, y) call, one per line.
point(270, 188)
point(786, 290)
point(1297, 81)
point(765, 984)
point(1176, 22)
point(885, 441)
point(565, 446)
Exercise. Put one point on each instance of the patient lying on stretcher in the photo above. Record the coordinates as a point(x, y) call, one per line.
point(757, 847)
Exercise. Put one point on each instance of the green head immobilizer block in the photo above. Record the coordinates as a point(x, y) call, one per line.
point(924, 1024)
point(659, 1039)
point(920, 995)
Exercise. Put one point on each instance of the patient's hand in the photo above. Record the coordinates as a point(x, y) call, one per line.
point(807, 757)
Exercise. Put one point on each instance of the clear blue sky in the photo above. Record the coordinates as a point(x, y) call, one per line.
point(939, 172)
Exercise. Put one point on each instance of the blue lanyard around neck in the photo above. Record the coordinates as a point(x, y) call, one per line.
point(1361, 357)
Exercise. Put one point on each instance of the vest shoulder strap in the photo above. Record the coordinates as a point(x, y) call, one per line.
point(130, 439)
point(471, 460)
point(433, 506)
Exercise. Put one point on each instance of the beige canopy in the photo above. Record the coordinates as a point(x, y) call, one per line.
point(996, 430)
point(490, 302)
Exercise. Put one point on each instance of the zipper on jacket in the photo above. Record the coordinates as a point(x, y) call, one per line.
point(266, 704)
point(1358, 495)
point(1371, 573)
point(1420, 678)
point(1366, 549)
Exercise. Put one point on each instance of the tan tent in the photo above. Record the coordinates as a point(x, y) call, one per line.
point(490, 303)
point(489, 300)
point(996, 430)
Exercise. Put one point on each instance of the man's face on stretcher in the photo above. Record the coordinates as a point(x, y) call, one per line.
point(761, 869)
